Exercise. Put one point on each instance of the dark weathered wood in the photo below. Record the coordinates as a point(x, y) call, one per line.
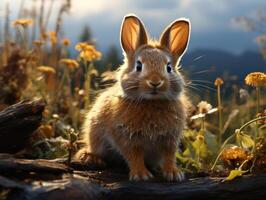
point(17, 123)
point(64, 189)
point(12, 166)
point(249, 187)
point(114, 185)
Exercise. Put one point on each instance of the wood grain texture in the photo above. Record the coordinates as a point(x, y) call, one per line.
point(111, 184)
point(17, 123)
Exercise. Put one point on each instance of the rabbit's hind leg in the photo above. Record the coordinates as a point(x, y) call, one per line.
point(87, 157)
point(91, 153)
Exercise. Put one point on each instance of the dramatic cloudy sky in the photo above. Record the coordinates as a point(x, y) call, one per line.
point(211, 20)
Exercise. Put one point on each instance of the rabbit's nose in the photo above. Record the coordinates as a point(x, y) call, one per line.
point(153, 84)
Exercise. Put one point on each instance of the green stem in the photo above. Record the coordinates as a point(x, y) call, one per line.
point(87, 85)
point(262, 127)
point(250, 122)
point(220, 115)
point(62, 81)
point(240, 167)
point(253, 164)
point(258, 99)
point(69, 156)
point(225, 142)
point(26, 37)
point(258, 110)
point(202, 124)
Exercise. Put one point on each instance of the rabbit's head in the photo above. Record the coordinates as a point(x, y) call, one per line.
point(150, 70)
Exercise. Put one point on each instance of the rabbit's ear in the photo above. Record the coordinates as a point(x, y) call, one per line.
point(176, 37)
point(133, 34)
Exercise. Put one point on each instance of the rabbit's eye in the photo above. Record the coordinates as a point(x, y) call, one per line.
point(169, 67)
point(138, 66)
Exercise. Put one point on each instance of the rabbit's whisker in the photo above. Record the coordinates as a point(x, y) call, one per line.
point(193, 87)
point(201, 72)
point(201, 81)
point(129, 88)
point(196, 91)
point(197, 58)
point(203, 86)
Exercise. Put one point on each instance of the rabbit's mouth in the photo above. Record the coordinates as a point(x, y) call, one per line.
point(154, 92)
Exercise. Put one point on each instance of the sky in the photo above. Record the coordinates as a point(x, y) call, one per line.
point(211, 20)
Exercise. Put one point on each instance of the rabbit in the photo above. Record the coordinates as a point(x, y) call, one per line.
point(140, 119)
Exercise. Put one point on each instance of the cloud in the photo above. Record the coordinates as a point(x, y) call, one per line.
point(211, 19)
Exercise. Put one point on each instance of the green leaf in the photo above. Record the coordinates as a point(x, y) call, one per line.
point(235, 173)
point(245, 140)
point(187, 153)
point(190, 133)
point(187, 161)
point(181, 158)
point(200, 147)
point(211, 142)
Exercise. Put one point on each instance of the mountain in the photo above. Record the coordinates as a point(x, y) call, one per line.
point(207, 64)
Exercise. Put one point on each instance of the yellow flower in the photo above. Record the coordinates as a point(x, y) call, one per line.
point(233, 153)
point(53, 37)
point(22, 22)
point(70, 63)
point(200, 137)
point(46, 69)
point(88, 52)
point(90, 55)
point(66, 42)
point(218, 81)
point(256, 79)
point(38, 43)
point(83, 46)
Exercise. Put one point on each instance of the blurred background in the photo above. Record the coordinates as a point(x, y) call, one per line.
point(222, 40)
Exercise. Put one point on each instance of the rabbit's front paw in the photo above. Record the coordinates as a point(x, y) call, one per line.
point(140, 175)
point(173, 174)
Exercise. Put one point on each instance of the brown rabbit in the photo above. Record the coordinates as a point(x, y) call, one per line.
point(142, 116)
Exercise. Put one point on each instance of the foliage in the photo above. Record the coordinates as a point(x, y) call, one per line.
point(203, 149)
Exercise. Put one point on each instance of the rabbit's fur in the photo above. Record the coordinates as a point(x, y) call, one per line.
point(142, 116)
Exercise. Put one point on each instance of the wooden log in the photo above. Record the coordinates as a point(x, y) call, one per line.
point(54, 190)
point(114, 185)
point(17, 123)
point(247, 187)
point(13, 166)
